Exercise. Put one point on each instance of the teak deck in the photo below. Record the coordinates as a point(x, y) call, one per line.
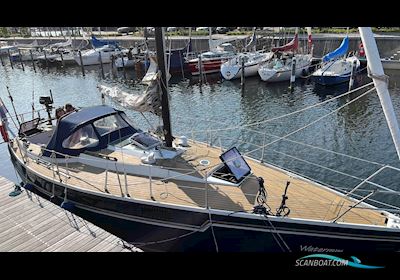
point(306, 199)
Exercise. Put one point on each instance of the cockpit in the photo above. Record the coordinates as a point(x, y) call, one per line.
point(91, 129)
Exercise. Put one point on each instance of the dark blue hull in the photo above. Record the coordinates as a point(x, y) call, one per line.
point(157, 227)
point(331, 80)
point(176, 60)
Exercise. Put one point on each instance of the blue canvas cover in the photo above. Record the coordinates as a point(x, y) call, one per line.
point(69, 124)
point(177, 59)
point(341, 50)
point(96, 43)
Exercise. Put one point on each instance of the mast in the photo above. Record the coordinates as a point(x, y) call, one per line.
point(210, 46)
point(309, 41)
point(381, 83)
point(160, 46)
point(190, 38)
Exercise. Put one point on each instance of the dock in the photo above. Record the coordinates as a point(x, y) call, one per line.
point(30, 223)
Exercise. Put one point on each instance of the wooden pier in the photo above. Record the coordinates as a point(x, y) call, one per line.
point(30, 223)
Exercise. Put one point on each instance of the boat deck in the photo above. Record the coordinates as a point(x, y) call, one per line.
point(307, 200)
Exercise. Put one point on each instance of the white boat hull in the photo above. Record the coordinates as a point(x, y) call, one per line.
point(93, 58)
point(232, 69)
point(68, 59)
point(128, 63)
point(230, 72)
point(279, 71)
point(270, 75)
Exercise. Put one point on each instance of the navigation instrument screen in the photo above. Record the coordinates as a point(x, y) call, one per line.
point(235, 163)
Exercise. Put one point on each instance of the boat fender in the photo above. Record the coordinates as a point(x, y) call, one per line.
point(183, 141)
point(28, 187)
point(148, 159)
point(67, 205)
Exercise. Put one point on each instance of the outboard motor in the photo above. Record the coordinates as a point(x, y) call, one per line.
point(47, 101)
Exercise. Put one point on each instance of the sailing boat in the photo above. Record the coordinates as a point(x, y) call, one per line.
point(232, 69)
point(177, 194)
point(92, 57)
point(55, 50)
point(219, 52)
point(336, 69)
point(279, 68)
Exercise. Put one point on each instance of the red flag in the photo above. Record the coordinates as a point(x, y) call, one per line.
point(3, 131)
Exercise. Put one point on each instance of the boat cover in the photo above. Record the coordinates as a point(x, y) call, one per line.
point(96, 43)
point(292, 45)
point(341, 50)
point(70, 123)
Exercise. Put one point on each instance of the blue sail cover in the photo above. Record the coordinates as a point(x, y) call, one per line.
point(341, 50)
point(96, 43)
point(177, 60)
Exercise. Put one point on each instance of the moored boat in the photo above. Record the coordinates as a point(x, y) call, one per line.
point(182, 195)
point(336, 67)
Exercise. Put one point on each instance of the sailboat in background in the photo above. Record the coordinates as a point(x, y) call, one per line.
point(232, 69)
point(54, 51)
point(336, 67)
point(172, 194)
point(279, 68)
point(5, 48)
point(219, 52)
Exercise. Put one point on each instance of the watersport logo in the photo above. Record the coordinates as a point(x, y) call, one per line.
point(329, 260)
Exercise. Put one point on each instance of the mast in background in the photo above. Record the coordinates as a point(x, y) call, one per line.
point(160, 47)
point(381, 83)
point(309, 41)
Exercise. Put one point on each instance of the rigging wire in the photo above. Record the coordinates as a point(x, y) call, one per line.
point(298, 111)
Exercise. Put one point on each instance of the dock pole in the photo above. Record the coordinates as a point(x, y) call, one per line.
point(2, 62)
point(200, 70)
point(112, 66)
point(352, 75)
point(47, 63)
point(82, 67)
point(33, 62)
point(242, 75)
point(20, 60)
point(9, 57)
point(62, 59)
point(101, 65)
point(123, 66)
point(293, 74)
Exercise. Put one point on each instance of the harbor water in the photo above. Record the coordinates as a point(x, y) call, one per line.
point(223, 108)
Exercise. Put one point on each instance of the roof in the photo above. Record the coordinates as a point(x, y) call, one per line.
point(85, 115)
point(70, 123)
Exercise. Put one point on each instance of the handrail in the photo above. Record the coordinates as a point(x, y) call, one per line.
point(352, 206)
point(100, 155)
point(208, 191)
point(24, 152)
